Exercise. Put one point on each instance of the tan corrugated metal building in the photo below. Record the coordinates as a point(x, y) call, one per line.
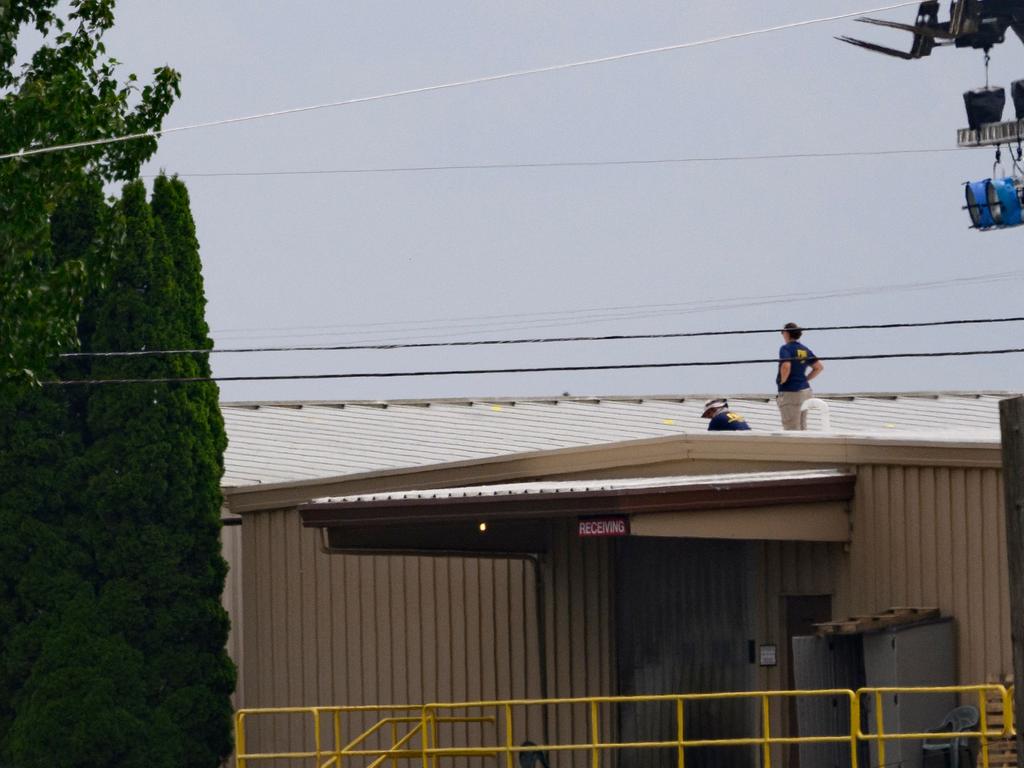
point(920, 523)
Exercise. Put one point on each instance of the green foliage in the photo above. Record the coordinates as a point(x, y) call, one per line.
point(154, 468)
point(110, 568)
point(68, 90)
point(39, 447)
point(41, 452)
point(85, 666)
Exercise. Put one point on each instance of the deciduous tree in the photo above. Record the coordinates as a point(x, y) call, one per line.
point(58, 85)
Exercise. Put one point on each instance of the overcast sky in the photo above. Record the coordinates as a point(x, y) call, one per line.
point(500, 253)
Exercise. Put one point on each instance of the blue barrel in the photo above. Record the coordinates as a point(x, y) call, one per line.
point(1003, 202)
point(977, 203)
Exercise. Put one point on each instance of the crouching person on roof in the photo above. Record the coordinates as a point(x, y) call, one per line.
point(722, 419)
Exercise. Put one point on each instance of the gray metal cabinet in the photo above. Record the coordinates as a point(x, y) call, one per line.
point(914, 655)
point(922, 654)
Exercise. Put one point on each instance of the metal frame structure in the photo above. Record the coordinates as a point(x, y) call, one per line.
point(991, 134)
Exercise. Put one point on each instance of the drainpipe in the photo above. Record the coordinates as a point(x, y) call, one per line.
point(816, 403)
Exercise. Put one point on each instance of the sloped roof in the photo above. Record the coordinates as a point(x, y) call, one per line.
point(277, 442)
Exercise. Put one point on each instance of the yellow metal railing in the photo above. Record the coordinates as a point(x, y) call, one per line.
point(330, 751)
point(595, 745)
point(411, 732)
point(983, 734)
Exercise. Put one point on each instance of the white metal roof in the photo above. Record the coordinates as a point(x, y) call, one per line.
point(589, 486)
point(288, 442)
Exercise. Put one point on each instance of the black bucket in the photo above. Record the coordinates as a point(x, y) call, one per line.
point(1017, 94)
point(984, 105)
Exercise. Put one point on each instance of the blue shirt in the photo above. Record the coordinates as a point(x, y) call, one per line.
point(727, 421)
point(799, 358)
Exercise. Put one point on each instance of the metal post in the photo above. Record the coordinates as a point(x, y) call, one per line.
point(240, 740)
point(880, 728)
point(595, 740)
point(766, 731)
point(394, 739)
point(316, 735)
point(679, 733)
point(425, 737)
point(1010, 726)
point(984, 727)
point(337, 737)
point(854, 727)
point(508, 736)
point(433, 739)
point(1011, 425)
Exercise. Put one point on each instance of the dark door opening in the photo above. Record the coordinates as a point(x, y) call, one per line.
point(684, 622)
point(802, 613)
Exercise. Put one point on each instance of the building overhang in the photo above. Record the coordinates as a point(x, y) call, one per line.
point(794, 450)
point(791, 505)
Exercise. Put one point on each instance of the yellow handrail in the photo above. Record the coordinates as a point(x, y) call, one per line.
point(424, 721)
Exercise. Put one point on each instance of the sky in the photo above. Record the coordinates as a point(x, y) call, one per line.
point(329, 258)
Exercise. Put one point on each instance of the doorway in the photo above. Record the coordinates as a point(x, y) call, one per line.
point(684, 624)
point(802, 613)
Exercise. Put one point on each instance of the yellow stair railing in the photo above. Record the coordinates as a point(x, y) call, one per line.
point(411, 732)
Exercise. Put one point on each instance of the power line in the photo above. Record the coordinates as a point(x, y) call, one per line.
point(519, 321)
point(26, 152)
point(543, 369)
point(562, 164)
point(541, 340)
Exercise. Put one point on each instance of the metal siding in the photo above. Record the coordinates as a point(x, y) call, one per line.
point(231, 598)
point(330, 636)
point(335, 629)
point(577, 581)
point(898, 571)
point(991, 497)
point(914, 543)
point(935, 536)
point(973, 569)
point(313, 625)
point(943, 526)
point(883, 542)
point(928, 538)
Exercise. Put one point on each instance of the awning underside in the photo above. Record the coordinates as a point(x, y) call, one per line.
point(801, 505)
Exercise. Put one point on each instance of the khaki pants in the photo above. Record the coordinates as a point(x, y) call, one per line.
point(789, 408)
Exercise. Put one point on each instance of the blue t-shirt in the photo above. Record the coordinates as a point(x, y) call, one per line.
point(799, 358)
point(727, 421)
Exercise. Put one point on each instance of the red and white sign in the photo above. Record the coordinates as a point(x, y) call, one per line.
point(604, 526)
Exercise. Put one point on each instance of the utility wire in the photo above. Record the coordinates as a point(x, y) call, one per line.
point(26, 152)
point(541, 340)
point(561, 164)
point(521, 321)
point(544, 369)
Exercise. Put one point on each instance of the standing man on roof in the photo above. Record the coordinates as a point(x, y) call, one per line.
point(722, 419)
point(797, 367)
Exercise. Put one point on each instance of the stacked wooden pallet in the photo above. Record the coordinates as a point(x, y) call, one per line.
point(1002, 753)
point(888, 618)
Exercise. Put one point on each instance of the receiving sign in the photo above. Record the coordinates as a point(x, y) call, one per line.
point(604, 526)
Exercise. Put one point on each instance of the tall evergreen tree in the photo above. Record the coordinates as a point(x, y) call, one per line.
point(60, 663)
point(154, 462)
point(111, 626)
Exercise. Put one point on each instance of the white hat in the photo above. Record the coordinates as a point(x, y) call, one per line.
point(714, 404)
